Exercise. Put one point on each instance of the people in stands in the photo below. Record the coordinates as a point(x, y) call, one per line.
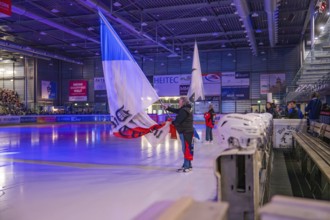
point(293, 112)
point(314, 107)
point(270, 108)
point(10, 103)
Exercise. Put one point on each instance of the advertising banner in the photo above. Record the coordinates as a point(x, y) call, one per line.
point(168, 85)
point(63, 118)
point(48, 90)
point(212, 83)
point(235, 86)
point(46, 119)
point(100, 91)
point(99, 84)
point(272, 83)
point(283, 130)
point(9, 119)
point(28, 119)
point(178, 85)
point(5, 8)
point(78, 90)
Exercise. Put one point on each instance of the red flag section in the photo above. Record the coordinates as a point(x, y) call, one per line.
point(127, 132)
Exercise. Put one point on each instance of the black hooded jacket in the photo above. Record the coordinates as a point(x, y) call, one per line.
point(183, 122)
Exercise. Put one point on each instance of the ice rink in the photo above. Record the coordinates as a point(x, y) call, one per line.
point(82, 171)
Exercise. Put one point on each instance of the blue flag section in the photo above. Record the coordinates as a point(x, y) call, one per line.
point(112, 47)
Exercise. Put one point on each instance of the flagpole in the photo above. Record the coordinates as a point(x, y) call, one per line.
point(162, 104)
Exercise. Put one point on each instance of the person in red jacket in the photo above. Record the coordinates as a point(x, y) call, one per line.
point(209, 122)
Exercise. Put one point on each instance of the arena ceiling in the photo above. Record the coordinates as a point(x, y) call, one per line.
point(69, 29)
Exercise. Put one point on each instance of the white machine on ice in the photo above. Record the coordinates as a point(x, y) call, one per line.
point(243, 130)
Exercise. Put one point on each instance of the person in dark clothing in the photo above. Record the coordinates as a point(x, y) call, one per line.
point(209, 122)
point(183, 123)
point(314, 107)
point(293, 112)
point(271, 109)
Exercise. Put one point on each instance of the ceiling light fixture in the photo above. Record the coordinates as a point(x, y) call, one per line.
point(255, 14)
point(117, 4)
point(143, 24)
point(203, 19)
point(54, 10)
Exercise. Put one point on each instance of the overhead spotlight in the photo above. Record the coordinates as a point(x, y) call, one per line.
point(73, 44)
point(223, 45)
point(229, 54)
point(143, 24)
point(54, 10)
point(254, 14)
point(90, 29)
point(43, 33)
point(204, 19)
point(163, 38)
point(117, 4)
point(261, 43)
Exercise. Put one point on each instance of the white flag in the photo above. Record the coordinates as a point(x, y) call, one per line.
point(196, 88)
point(129, 92)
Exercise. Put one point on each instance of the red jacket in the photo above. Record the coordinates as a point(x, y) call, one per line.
point(208, 119)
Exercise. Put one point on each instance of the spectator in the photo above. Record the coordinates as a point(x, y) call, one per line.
point(292, 111)
point(314, 107)
point(270, 109)
point(209, 122)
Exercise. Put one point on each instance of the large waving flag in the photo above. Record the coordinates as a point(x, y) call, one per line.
point(129, 92)
point(196, 89)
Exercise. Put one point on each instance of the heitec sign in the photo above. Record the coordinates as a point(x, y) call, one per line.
point(78, 90)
